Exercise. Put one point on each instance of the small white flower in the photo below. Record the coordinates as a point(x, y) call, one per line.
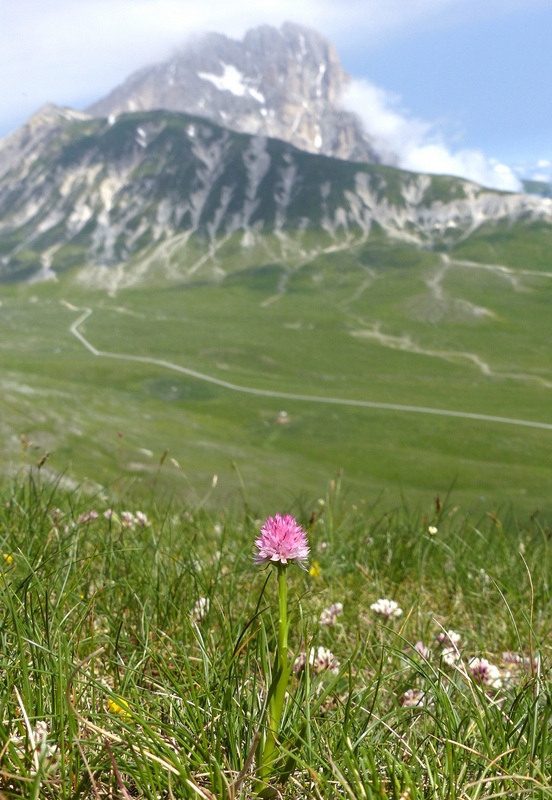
point(422, 650)
point(299, 663)
point(45, 753)
point(320, 659)
point(329, 616)
point(485, 673)
point(201, 609)
point(450, 656)
point(128, 520)
point(386, 608)
point(412, 698)
point(432, 530)
point(482, 576)
point(448, 638)
point(89, 516)
point(141, 519)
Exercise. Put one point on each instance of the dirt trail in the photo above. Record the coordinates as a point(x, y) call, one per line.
point(336, 401)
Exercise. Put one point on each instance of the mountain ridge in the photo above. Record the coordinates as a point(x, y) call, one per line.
point(169, 189)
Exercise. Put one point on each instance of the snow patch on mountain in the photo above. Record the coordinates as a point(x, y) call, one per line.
point(233, 81)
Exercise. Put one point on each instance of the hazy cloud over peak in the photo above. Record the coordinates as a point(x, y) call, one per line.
point(417, 145)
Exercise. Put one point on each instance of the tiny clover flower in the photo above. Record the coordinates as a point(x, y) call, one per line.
point(386, 608)
point(412, 698)
point(451, 657)
point(329, 616)
point(282, 540)
point(320, 659)
point(449, 638)
point(201, 609)
point(485, 673)
point(422, 650)
point(89, 516)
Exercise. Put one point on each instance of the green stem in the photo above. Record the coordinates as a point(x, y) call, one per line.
point(276, 705)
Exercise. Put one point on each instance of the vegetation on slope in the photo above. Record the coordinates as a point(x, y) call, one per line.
point(137, 643)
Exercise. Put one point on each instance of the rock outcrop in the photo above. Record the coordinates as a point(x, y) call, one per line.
point(282, 83)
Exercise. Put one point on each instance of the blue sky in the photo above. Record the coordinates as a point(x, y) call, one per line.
point(457, 86)
point(488, 79)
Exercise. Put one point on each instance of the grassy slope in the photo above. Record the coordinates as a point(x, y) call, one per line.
point(180, 700)
point(300, 341)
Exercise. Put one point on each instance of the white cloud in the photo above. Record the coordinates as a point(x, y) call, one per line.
point(418, 145)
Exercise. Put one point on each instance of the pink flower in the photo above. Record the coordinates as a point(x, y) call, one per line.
point(484, 672)
point(89, 516)
point(283, 540)
point(422, 650)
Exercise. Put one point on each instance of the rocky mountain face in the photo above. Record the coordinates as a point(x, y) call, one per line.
point(280, 83)
point(167, 196)
point(26, 143)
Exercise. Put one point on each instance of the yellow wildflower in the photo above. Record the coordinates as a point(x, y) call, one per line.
point(119, 707)
point(7, 558)
point(315, 570)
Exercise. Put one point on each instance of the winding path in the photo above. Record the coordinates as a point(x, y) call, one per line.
point(336, 401)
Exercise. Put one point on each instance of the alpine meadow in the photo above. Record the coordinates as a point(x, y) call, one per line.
point(226, 324)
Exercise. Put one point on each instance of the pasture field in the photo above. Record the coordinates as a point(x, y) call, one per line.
point(381, 323)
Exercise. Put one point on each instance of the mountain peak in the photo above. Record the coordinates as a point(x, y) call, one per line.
point(284, 83)
point(41, 125)
point(52, 114)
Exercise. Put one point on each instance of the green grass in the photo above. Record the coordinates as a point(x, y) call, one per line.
point(112, 687)
point(314, 338)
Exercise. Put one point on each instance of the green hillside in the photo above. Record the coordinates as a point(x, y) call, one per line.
point(365, 325)
point(272, 318)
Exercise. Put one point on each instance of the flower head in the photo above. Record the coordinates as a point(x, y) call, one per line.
point(201, 609)
point(283, 540)
point(451, 656)
point(422, 650)
point(128, 520)
point(320, 659)
point(485, 673)
point(141, 519)
point(449, 638)
point(329, 615)
point(87, 517)
point(386, 608)
point(120, 706)
point(314, 571)
point(413, 698)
